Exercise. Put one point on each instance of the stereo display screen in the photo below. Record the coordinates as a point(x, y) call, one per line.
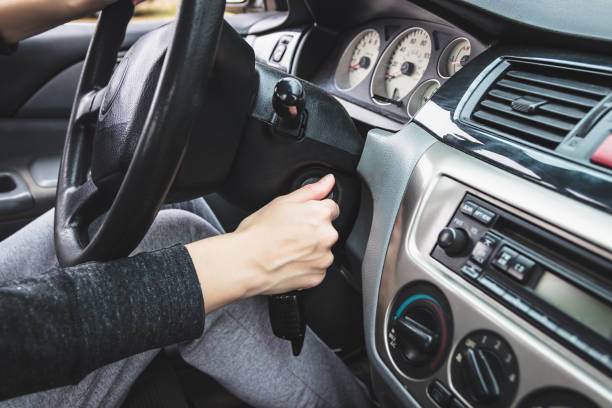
point(578, 304)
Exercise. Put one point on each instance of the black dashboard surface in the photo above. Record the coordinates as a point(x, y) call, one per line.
point(588, 19)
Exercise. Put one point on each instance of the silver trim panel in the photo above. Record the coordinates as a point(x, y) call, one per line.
point(434, 188)
point(386, 164)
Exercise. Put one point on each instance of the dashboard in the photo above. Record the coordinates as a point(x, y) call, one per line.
point(394, 66)
point(485, 271)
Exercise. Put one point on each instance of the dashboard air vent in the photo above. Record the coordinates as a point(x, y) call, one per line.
point(539, 103)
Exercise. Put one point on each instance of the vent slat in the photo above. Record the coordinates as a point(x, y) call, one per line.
point(550, 139)
point(547, 93)
point(503, 95)
point(540, 103)
point(537, 119)
point(566, 111)
point(558, 109)
point(566, 84)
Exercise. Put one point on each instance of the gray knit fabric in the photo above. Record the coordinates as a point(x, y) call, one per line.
point(61, 325)
point(237, 348)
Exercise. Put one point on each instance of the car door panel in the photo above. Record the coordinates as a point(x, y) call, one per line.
point(37, 85)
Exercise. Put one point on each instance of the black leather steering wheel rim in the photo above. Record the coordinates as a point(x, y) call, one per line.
point(161, 145)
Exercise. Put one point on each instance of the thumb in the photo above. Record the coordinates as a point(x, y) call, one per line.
point(314, 191)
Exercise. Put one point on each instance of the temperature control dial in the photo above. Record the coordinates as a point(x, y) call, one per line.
point(419, 330)
point(484, 370)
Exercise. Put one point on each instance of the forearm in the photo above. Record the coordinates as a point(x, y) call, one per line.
point(20, 19)
point(58, 327)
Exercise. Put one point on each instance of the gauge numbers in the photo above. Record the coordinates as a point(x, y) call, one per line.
point(357, 60)
point(454, 57)
point(401, 67)
point(421, 95)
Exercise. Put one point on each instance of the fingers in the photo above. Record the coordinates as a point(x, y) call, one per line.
point(315, 191)
point(334, 210)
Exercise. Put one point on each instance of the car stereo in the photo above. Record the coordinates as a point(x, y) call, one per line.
point(563, 289)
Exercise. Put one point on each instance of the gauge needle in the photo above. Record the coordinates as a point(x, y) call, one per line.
point(393, 74)
point(354, 66)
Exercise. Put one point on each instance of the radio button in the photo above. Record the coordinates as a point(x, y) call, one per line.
point(570, 337)
point(483, 249)
point(549, 324)
point(520, 267)
point(517, 302)
point(581, 345)
point(483, 215)
point(504, 258)
point(492, 286)
point(468, 207)
point(542, 319)
point(471, 271)
point(598, 355)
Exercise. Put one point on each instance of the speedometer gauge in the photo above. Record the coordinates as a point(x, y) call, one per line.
point(454, 57)
point(357, 60)
point(401, 67)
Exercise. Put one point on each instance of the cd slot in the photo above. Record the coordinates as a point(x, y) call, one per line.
point(585, 268)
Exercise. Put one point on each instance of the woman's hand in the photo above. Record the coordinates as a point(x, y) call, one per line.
point(284, 246)
point(291, 239)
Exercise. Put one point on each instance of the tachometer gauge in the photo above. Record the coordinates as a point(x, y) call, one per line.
point(421, 95)
point(401, 67)
point(454, 57)
point(358, 59)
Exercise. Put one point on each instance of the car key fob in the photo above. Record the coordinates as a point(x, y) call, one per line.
point(287, 319)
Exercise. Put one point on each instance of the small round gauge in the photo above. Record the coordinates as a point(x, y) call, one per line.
point(454, 57)
point(357, 60)
point(401, 67)
point(421, 95)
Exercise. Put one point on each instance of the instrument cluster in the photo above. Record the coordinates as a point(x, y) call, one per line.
point(395, 66)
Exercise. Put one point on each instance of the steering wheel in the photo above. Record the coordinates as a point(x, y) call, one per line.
point(129, 128)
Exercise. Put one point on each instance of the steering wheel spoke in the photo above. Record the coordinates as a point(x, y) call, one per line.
point(77, 199)
point(88, 106)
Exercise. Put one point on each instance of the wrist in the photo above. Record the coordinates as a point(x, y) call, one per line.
point(241, 263)
point(224, 269)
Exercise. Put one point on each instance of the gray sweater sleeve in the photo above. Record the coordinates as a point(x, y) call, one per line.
point(58, 327)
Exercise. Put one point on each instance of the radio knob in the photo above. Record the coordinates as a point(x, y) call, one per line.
point(453, 241)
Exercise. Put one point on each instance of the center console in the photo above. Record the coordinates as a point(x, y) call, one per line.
point(493, 292)
point(557, 286)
